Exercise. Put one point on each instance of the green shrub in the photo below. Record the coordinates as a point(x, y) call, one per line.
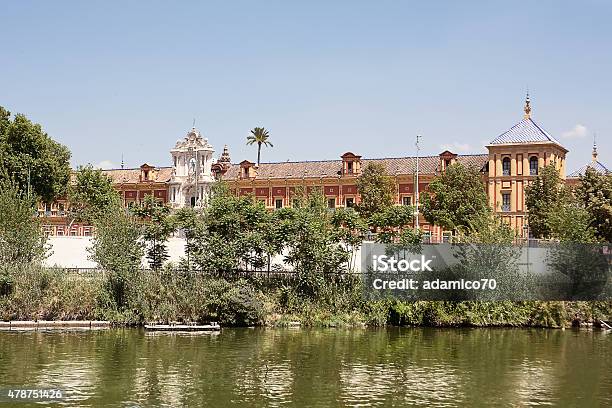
point(234, 304)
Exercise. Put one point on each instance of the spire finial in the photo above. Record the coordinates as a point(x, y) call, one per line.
point(122, 162)
point(527, 108)
point(594, 154)
point(193, 126)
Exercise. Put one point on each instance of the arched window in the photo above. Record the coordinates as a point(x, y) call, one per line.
point(506, 166)
point(533, 166)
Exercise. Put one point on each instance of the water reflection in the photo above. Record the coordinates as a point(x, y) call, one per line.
point(411, 385)
point(535, 384)
point(272, 382)
point(402, 367)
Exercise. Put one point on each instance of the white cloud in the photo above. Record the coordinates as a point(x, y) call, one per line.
point(577, 132)
point(456, 147)
point(105, 165)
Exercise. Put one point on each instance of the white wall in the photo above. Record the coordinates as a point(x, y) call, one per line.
point(71, 252)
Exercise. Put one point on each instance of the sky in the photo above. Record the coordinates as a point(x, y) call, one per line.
point(111, 79)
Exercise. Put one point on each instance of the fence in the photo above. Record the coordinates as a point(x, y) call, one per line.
point(236, 273)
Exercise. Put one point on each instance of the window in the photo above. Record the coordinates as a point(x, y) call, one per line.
point(506, 166)
point(406, 200)
point(447, 163)
point(505, 201)
point(331, 203)
point(533, 166)
point(349, 167)
point(278, 203)
point(446, 237)
point(193, 201)
point(349, 202)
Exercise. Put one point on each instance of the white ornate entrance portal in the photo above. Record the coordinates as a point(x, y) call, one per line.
point(192, 158)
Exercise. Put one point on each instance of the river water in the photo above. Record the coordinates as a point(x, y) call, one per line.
point(309, 368)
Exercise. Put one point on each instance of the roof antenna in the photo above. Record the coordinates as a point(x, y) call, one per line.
point(193, 126)
point(122, 162)
point(594, 154)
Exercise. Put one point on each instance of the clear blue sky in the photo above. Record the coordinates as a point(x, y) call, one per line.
point(107, 78)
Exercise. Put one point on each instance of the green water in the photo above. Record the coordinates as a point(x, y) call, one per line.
point(306, 368)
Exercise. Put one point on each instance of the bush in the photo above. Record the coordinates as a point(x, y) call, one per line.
point(233, 304)
point(117, 249)
point(46, 294)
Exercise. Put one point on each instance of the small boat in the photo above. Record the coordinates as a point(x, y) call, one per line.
point(212, 327)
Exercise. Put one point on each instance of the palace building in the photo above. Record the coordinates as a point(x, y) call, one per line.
point(515, 158)
point(512, 160)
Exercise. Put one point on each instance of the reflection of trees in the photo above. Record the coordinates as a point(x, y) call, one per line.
point(396, 366)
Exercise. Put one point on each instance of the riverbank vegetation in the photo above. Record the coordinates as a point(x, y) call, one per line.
point(233, 237)
point(36, 293)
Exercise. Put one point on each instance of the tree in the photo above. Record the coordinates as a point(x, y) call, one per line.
point(488, 253)
point(21, 237)
point(569, 221)
point(312, 243)
point(541, 196)
point(235, 234)
point(350, 231)
point(394, 223)
point(260, 136)
point(489, 229)
point(456, 198)
point(117, 249)
point(157, 228)
point(595, 193)
point(376, 189)
point(188, 221)
point(31, 158)
point(579, 261)
point(92, 194)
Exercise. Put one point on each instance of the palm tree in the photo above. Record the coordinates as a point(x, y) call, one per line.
point(260, 136)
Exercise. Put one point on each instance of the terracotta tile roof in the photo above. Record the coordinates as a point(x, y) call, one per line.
point(332, 168)
point(132, 176)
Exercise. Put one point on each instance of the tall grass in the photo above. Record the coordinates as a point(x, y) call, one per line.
point(30, 292)
point(35, 293)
